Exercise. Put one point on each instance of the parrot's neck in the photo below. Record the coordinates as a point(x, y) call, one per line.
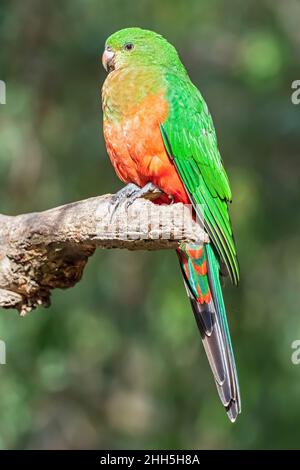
point(125, 89)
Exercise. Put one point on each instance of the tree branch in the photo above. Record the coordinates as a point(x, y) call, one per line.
point(47, 250)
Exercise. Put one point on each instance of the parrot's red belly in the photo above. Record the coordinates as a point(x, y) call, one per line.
point(136, 148)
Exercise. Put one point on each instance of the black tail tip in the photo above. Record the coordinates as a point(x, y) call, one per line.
point(233, 410)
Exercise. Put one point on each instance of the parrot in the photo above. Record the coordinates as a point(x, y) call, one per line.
point(160, 138)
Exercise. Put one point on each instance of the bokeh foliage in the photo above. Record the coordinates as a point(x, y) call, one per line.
point(117, 361)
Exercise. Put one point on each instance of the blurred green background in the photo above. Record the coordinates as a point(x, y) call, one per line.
point(117, 361)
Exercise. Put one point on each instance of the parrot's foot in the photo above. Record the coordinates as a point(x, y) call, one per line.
point(130, 193)
point(121, 196)
point(149, 191)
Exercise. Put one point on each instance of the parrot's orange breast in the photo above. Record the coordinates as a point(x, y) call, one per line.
point(136, 148)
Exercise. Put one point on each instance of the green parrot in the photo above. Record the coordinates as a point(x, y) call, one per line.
point(160, 138)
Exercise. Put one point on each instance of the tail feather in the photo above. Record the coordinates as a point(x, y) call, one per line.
point(214, 279)
point(200, 268)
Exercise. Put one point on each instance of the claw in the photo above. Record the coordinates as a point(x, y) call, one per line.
point(121, 196)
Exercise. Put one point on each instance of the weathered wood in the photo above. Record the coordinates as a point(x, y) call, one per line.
point(47, 250)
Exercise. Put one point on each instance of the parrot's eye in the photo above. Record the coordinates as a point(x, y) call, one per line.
point(128, 46)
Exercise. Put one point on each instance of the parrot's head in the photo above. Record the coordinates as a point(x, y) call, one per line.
point(132, 47)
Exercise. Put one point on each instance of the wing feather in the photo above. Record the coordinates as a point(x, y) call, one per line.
point(191, 142)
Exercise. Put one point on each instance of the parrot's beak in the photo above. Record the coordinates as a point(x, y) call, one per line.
point(108, 60)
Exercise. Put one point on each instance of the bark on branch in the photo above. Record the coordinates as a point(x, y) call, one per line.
point(47, 250)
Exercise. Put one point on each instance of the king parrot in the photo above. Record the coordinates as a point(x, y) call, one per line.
point(160, 137)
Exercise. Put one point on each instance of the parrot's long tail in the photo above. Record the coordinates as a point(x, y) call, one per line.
point(201, 271)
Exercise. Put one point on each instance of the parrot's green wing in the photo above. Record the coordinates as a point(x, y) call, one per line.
point(190, 140)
